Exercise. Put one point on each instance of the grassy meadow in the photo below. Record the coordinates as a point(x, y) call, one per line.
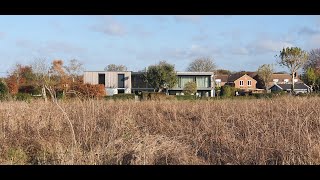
point(284, 130)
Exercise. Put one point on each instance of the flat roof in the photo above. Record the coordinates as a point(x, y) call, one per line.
point(178, 72)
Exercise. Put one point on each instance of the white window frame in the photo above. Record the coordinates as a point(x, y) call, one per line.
point(242, 82)
point(249, 83)
point(286, 80)
point(275, 80)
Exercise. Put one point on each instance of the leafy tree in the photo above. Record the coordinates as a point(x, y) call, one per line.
point(310, 77)
point(161, 76)
point(204, 64)
point(293, 58)
point(190, 88)
point(114, 67)
point(265, 72)
point(20, 75)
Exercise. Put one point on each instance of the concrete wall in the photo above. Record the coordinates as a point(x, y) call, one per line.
point(111, 80)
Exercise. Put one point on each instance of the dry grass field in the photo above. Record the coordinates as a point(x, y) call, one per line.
point(284, 130)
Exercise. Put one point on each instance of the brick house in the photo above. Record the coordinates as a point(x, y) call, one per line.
point(242, 81)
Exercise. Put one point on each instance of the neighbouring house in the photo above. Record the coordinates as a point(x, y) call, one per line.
point(242, 81)
point(277, 78)
point(131, 82)
point(298, 88)
point(221, 80)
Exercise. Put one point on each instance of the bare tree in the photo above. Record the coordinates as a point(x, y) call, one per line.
point(294, 58)
point(74, 68)
point(114, 67)
point(42, 78)
point(265, 72)
point(204, 64)
point(313, 60)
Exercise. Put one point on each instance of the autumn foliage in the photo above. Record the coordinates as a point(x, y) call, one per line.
point(91, 91)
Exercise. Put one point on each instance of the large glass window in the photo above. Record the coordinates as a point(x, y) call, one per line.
point(182, 80)
point(202, 81)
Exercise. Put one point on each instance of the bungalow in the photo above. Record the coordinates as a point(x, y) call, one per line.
point(298, 88)
point(277, 78)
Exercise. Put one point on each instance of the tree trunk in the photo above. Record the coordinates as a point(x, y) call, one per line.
point(292, 87)
point(43, 92)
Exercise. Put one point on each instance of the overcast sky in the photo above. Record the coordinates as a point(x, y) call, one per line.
point(234, 42)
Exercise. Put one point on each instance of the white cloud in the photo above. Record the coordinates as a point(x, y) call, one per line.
point(313, 41)
point(308, 31)
point(262, 45)
point(239, 51)
point(109, 26)
point(187, 18)
point(50, 48)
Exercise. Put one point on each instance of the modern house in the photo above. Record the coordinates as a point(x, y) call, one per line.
point(204, 81)
point(115, 81)
point(131, 82)
point(298, 87)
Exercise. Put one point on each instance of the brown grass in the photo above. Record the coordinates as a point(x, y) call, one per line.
point(277, 131)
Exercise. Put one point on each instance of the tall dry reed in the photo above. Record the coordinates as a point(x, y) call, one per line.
point(257, 131)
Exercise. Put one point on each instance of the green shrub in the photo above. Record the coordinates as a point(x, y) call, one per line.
point(23, 97)
point(4, 91)
point(186, 97)
point(190, 88)
point(228, 91)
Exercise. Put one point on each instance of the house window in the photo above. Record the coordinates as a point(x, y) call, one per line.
point(102, 79)
point(120, 80)
point(249, 82)
point(275, 80)
point(241, 82)
point(286, 80)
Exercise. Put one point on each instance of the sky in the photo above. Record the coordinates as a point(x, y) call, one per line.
point(235, 42)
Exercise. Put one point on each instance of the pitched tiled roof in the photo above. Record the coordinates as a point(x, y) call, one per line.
point(224, 77)
point(296, 86)
point(236, 76)
point(282, 77)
